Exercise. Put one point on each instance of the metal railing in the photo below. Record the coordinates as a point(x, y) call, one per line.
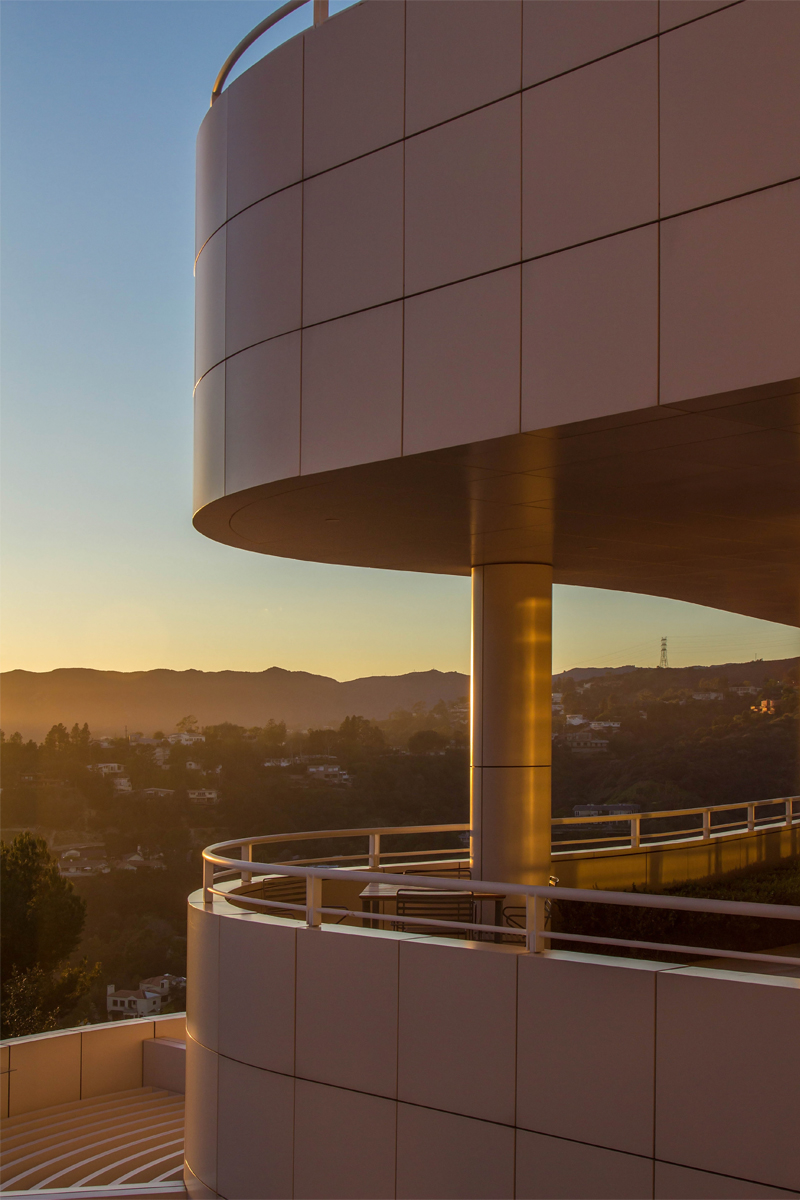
point(535, 900)
point(706, 831)
point(320, 15)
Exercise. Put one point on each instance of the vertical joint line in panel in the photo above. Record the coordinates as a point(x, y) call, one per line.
point(521, 81)
point(655, 1069)
point(302, 261)
point(294, 1062)
point(658, 210)
point(403, 289)
point(482, 705)
point(397, 1070)
point(224, 366)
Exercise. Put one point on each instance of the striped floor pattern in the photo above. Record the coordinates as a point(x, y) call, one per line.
point(133, 1137)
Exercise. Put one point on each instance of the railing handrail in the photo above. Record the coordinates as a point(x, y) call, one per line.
point(633, 899)
point(375, 833)
point(672, 812)
point(320, 15)
point(535, 897)
point(320, 834)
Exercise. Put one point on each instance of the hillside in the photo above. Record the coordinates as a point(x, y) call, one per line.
point(144, 701)
point(756, 671)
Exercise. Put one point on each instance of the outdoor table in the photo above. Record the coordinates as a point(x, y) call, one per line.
point(374, 894)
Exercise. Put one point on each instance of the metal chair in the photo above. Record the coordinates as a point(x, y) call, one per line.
point(444, 906)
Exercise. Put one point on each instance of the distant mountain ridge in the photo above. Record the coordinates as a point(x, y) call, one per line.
point(757, 670)
point(32, 702)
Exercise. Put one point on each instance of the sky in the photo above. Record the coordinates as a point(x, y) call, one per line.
point(101, 101)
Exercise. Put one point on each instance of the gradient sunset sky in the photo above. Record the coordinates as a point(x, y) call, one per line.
point(102, 568)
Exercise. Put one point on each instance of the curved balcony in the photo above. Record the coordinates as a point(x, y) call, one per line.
point(697, 843)
point(339, 1046)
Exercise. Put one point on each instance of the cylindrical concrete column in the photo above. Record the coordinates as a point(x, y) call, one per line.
point(511, 721)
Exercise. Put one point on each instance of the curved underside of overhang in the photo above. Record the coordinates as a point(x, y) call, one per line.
point(697, 502)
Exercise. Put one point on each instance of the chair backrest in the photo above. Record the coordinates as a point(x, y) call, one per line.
point(290, 888)
point(457, 870)
point(444, 906)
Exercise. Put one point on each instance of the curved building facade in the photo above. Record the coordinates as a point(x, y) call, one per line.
point(513, 289)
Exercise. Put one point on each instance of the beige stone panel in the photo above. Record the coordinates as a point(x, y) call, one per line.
point(209, 437)
point(511, 829)
point(112, 1057)
point(202, 1070)
point(587, 1079)
point(170, 1027)
point(44, 1071)
point(256, 1126)
point(256, 1001)
point(730, 295)
point(354, 77)
point(730, 104)
point(590, 330)
point(164, 1063)
point(212, 164)
point(590, 151)
point(458, 57)
point(265, 126)
point(441, 1155)
point(352, 390)
point(457, 1028)
point(344, 1144)
point(551, 1168)
point(705, 1117)
point(353, 236)
point(195, 1188)
point(678, 12)
point(202, 976)
point(462, 363)
point(463, 197)
point(209, 309)
point(348, 983)
point(262, 413)
point(682, 1183)
point(558, 37)
point(264, 271)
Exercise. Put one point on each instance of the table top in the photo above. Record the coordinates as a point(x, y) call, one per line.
point(388, 891)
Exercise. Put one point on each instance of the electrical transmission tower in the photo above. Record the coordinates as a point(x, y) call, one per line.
point(663, 661)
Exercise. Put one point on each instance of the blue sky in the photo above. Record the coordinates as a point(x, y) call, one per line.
point(101, 567)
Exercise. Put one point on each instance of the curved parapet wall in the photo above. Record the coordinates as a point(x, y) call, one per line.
point(484, 282)
point(654, 867)
point(340, 1062)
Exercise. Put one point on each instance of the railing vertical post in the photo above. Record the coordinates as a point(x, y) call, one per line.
point(247, 856)
point(788, 813)
point(535, 918)
point(320, 11)
point(635, 832)
point(706, 825)
point(208, 881)
point(374, 851)
point(751, 817)
point(313, 901)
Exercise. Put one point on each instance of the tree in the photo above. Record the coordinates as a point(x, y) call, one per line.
point(42, 922)
point(57, 738)
point(358, 731)
point(187, 725)
point(426, 741)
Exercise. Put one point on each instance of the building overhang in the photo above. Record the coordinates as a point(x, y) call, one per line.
point(696, 501)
